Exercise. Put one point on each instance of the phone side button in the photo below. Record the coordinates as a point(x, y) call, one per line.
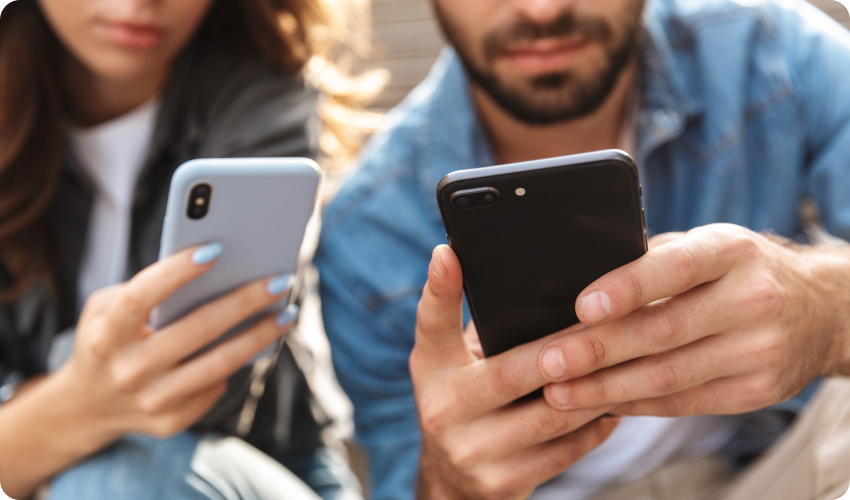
point(449, 239)
point(643, 217)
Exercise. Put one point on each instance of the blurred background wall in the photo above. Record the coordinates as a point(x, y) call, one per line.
point(408, 41)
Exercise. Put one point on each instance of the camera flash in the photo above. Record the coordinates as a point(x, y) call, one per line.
point(199, 201)
point(520, 191)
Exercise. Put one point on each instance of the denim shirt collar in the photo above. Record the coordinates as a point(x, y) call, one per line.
point(454, 139)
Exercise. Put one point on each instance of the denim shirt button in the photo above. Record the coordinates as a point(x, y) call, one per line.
point(666, 118)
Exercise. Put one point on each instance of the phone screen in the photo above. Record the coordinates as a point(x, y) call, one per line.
point(530, 241)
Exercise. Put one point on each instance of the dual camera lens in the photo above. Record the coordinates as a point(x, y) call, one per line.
point(199, 201)
point(475, 198)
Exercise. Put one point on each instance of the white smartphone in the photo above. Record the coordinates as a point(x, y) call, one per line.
point(256, 208)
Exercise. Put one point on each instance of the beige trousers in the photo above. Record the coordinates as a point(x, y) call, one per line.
point(810, 462)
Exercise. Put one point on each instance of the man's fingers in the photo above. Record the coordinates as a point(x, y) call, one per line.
point(132, 305)
point(656, 376)
point(662, 239)
point(439, 318)
point(725, 396)
point(505, 432)
point(473, 343)
point(656, 328)
point(701, 256)
point(540, 463)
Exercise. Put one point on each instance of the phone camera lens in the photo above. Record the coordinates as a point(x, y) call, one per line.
point(489, 198)
point(461, 202)
point(199, 201)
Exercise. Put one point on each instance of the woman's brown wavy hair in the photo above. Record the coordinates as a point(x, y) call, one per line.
point(322, 38)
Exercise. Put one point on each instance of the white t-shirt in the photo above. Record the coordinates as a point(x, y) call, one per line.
point(639, 444)
point(111, 154)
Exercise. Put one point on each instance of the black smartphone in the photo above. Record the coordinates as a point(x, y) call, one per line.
point(531, 236)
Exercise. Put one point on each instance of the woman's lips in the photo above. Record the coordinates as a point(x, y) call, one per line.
point(134, 35)
point(546, 56)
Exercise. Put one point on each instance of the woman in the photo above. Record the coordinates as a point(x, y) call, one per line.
point(100, 101)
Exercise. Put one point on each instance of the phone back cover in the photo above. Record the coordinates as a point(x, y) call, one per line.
point(526, 259)
point(258, 211)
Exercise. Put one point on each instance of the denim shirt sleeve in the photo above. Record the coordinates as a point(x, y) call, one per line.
point(819, 56)
point(384, 410)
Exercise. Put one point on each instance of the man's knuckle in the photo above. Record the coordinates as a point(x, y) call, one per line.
point(741, 241)
point(687, 265)
point(764, 295)
point(760, 391)
point(547, 424)
point(464, 455)
point(602, 392)
point(634, 285)
point(664, 326)
point(671, 407)
point(594, 351)
point(435, 414)
point(772, 345)
point(494, 486)
point(667, 376)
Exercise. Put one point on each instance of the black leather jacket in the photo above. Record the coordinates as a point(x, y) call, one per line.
point(215, 105)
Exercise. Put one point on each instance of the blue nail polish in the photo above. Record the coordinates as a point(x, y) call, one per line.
point(207, 253)
point(280, 284)
point(289, 315)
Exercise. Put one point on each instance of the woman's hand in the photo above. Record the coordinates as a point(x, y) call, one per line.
point(123, 377)
point(136, 378)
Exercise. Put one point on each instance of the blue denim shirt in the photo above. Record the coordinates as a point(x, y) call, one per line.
point(744, 111)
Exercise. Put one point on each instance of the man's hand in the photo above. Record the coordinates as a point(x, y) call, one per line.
point(718, 321)
point(476, 442)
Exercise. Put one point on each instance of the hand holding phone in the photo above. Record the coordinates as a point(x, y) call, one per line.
point(531, 236)
point(257, 208)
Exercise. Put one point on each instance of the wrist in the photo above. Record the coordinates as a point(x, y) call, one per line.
point(828, 275)
point(76, 411)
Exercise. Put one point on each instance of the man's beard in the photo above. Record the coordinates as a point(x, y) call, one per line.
point(558, 96)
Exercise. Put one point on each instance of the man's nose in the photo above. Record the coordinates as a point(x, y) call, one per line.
point(542, 11)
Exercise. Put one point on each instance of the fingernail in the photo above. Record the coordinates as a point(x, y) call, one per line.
point(207, 253)
point(437, 266)
point(288, 316)
point(553, 363)
point(595, 306)
point(280, 284)
point(560, 394)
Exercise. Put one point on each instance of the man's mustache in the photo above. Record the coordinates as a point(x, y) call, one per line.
point(564, 26)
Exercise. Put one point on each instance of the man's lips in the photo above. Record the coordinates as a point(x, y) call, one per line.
point(134, 35)
point(546, 56)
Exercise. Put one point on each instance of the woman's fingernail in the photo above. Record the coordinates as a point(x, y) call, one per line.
point(595, 306)
point(560, 394)
point(288, 316)
point(280, 284)
point(553, 363)
point(437, 266)
point(207, 253)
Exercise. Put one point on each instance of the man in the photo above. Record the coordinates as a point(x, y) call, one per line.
point(735, 112)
